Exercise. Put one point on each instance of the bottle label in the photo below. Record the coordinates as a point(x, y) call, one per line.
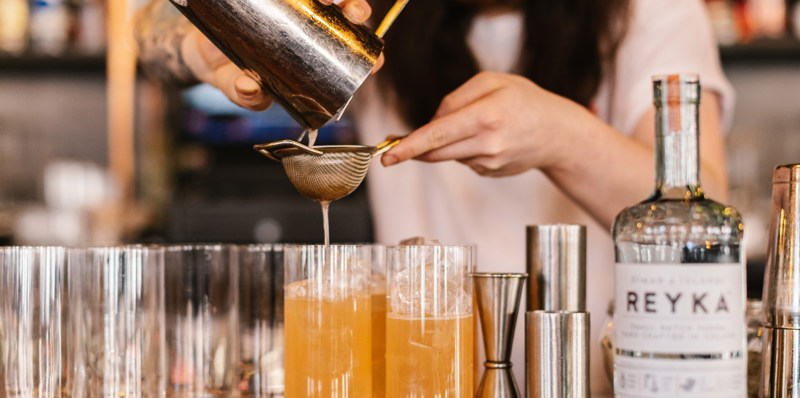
point(679, 330)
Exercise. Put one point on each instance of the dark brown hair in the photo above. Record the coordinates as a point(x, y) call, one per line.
point(568, 46)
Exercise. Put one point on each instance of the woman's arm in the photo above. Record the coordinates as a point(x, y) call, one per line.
point(619, 171)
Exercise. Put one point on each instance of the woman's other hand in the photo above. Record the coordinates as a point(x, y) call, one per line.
point(211, 66)
point(498, 125)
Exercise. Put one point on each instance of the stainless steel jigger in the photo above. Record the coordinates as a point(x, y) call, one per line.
point(780, 372)
point(498, 298)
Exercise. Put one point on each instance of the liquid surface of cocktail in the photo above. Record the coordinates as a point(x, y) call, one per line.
point(429, 357)
point(328, 344)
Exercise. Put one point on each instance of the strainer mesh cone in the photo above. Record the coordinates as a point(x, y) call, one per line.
point(328, 177)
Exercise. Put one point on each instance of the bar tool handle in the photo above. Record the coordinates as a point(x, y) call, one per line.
point(398, 6)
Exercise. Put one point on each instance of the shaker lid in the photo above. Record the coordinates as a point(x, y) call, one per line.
point(786, 173)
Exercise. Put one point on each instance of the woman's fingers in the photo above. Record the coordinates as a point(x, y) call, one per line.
point(250, 94)
point(217, 70)
point(355, 10)
point(211, 54)
point(378, 64)
point(428, 142)
point(463, 114)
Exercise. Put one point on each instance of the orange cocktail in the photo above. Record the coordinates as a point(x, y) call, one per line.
point(436, 353)
point(328, 323)
point(429, 322)
point(328, 347)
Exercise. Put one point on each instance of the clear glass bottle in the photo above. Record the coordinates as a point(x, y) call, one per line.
point(679, 319)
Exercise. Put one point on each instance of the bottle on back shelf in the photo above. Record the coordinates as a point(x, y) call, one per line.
point(14, 16)
point(679, 319)
point(49, 29)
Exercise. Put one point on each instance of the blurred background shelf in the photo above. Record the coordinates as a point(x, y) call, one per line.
point(785, 49)
point(68, 63)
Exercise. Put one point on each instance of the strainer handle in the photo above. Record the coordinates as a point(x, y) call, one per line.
point(269, 149)
point(386, 145)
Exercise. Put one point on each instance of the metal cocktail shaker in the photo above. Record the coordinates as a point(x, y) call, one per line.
point(307, 55)
point(557, 324)
point(780, 375)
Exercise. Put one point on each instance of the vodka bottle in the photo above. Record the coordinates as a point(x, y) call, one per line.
point(679, 320)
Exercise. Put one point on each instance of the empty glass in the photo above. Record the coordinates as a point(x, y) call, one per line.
point(201, 320)
point(429, 323)
point(30, 321)
point(327, 309)
point(260, 302)
point(114, 337)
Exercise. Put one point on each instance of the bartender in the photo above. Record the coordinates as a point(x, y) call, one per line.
point(518, 112)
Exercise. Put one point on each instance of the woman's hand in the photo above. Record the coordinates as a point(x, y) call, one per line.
point(211, 66)
point(498, 125)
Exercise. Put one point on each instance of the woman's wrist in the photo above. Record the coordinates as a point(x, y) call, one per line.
point(161, 50)
point(192, 58)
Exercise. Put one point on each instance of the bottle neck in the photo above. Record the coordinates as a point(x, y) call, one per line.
point(677, 152)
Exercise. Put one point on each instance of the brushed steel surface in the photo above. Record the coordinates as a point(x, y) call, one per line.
point(556, 265)
point(306, 54)
point(498, 296)
point(557, 354)
point(780, 372)
point(498, 383)
point(780, 375)
point(781, 293)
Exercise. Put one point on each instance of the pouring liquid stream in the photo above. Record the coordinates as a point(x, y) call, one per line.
point(312, 138)
point(325, 222)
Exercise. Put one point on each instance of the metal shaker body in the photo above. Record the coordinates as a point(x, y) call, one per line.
point(307, 55)
point(557, 352)
point(780, 376)
point(556, 265)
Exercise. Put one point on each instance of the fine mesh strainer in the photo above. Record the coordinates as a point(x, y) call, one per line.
point(327, 172)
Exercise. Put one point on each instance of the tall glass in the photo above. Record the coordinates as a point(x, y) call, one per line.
point(378, 289)
point(31, 294)
point(260, 320)
point(201, 320)
point(328, 321)
point(429, 323)
point(114, 333)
